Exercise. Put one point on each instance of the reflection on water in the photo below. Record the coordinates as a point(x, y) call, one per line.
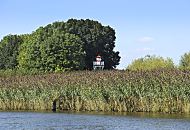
point(92, 121)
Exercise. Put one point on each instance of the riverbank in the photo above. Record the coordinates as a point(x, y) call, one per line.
point(165, 91)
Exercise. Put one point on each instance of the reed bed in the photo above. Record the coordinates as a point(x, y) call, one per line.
point(123, 91)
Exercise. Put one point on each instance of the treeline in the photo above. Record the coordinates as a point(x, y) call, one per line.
point(60, 46)
point(157, 62)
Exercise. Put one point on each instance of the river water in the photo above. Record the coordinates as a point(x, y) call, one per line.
point(92, 121)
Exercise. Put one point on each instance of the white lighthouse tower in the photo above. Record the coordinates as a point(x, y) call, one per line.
point(98, 64)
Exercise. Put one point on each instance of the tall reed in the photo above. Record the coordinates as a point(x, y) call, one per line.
point(130, 91)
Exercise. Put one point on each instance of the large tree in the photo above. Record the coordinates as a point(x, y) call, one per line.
point(9, 46)
point(97, 39)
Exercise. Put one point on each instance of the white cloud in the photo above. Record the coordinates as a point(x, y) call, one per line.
point(145, 39)
point(145, 49)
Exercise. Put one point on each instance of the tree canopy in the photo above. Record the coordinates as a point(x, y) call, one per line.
point(185, 61)
point(71, 45)
point(97, 39)
point(9, 46)
point(151, 62)
point(52, 51)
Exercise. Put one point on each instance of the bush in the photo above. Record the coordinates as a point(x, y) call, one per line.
point(150, 63)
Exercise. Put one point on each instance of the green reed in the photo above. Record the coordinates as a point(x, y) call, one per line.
point(130, 91)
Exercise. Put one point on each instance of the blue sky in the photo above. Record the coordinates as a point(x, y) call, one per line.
point(160, 27)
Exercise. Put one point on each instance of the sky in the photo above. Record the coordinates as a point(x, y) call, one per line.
point(143, 27)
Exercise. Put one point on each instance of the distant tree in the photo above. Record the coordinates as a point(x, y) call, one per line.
point(97, 39)
point(185, 61)
point(151, 62)
point(9, 46)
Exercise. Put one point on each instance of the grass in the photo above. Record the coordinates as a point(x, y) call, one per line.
point(123, 91)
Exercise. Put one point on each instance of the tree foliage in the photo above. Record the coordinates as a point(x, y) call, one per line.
point(9, 46)
point(150, 63)
point(71, 45)
point(97, 39)
point(52, 51)
point(185, 61)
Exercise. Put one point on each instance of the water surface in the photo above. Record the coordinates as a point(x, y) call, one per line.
point(92, 121)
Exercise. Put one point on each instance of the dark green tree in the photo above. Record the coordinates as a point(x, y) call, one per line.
point(9, 47)
point(97, 39)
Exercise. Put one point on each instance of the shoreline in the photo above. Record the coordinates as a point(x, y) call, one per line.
point(120, 114)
